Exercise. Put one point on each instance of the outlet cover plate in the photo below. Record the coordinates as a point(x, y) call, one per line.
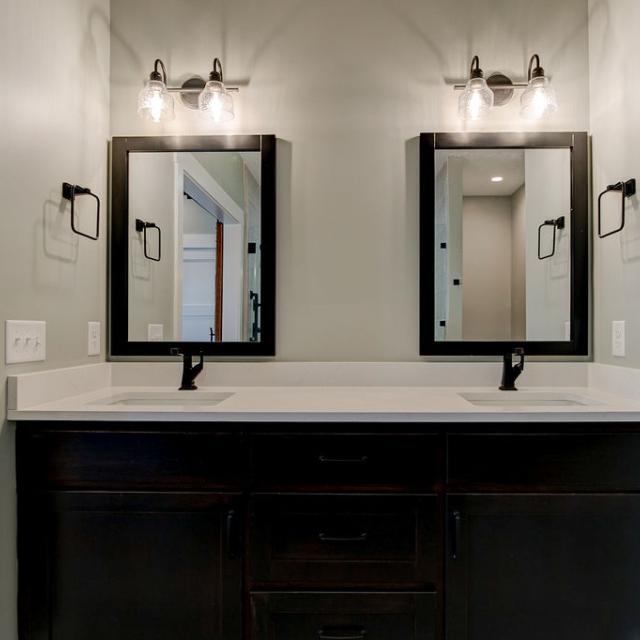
point(155, 332)
point(94, 342)
point(25, 341)
point(618, 339)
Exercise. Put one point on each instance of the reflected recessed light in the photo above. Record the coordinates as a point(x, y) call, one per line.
point(497, 179)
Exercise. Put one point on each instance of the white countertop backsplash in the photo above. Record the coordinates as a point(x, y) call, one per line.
point(326, 392)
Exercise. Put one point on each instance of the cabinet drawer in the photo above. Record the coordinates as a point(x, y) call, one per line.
point(343, 616)
point(77, 460)
point(344, 541)
point(571, 462)
point(350, 462)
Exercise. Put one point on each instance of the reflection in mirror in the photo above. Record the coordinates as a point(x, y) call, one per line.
point(202, 217)
point(497, 213)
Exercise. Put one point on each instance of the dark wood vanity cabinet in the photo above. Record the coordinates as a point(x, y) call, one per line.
point(130, 565)
point(543, 566)
point(327, 532)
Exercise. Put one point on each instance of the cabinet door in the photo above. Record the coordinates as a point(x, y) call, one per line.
point(129, 566)
point(531, 567)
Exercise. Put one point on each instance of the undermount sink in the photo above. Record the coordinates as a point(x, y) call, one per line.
point(166, 399)
point(526, 399)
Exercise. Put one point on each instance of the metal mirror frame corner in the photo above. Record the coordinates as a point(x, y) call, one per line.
point(577, 142)
point(121, 147)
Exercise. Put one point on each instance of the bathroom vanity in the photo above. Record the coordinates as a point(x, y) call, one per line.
point(327, 512)
point(470, 521)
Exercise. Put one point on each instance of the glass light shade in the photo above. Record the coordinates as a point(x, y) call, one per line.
point(216, 102)
point(476, 100)
point(155, 103)
point(539, 99)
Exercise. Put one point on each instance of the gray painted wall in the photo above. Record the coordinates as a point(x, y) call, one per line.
point(486, 277)
point(548, 287)
point(518, 265)
point(55, 129)
point(615, 96)
point(347, 87)
point(152, 198)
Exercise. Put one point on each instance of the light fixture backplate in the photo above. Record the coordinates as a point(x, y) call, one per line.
point(502, 87)
point(190, 97)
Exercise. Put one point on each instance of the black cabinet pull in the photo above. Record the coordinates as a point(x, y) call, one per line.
point(329, 460)
point(323, 537)
point(456, 522)
point(342, 633)
point(232, 534)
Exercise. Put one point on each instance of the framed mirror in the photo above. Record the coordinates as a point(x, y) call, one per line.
point(193, 241)
point(504, 243)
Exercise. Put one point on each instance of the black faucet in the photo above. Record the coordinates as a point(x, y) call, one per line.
point(189, 372)
point(511, 372)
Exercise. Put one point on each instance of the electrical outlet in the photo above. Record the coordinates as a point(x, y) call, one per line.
point(155, 332)
point(93, 347)
point(619, 339)
point(25, 341)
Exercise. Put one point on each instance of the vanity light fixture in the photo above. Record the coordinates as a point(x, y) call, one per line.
point(211, 98)
point(480, 96)
point(539, 98)
point(477, 99)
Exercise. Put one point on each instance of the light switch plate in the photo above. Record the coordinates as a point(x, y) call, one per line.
point(93, 346)
point(25, 341)
point(155, 332)
point(618, 339)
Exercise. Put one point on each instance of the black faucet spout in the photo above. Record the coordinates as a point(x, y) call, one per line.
point(189, 372)
point(511, 372)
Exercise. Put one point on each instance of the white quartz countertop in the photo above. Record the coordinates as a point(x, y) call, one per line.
point(329, 404)
point(311, 392)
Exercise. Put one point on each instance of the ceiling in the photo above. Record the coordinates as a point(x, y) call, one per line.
point(480, 165)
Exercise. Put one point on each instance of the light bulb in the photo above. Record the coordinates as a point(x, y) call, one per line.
point(155, 103)
point(539, 98)
point(216, 102)
point(477, 98)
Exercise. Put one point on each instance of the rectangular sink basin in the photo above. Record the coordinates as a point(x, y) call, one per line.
point(165, 399)
point(517, 399)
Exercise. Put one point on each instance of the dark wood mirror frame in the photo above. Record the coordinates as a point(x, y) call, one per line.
point(577, 143)
point(121, 147)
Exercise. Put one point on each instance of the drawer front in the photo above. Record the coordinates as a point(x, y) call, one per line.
point(580, 462)
point(59, 460)
point(343, 616)
point(352, 463)
point(344, 542)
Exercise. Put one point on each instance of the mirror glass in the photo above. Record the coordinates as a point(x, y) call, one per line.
point(503, 245)
point(194, 246)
